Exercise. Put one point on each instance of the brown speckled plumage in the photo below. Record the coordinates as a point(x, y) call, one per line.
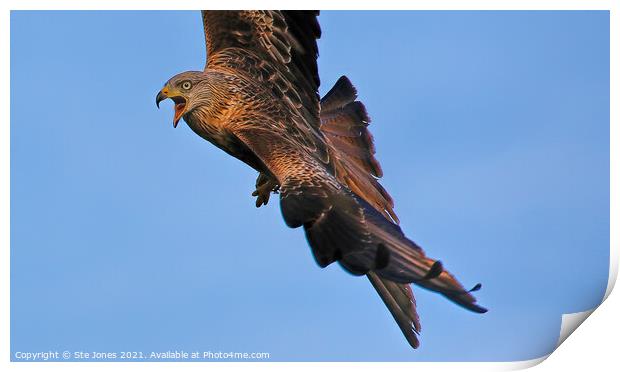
point(257, 99)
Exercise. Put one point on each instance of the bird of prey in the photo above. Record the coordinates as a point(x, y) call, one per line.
point(257, 99)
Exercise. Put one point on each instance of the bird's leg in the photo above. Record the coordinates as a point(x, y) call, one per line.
point(264, 186)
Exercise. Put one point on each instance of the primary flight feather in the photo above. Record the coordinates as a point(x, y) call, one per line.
point(257, 99)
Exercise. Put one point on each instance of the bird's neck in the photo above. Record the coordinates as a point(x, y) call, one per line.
point(213, 107)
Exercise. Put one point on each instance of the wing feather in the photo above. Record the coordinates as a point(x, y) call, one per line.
point(344, 123)
point(278, 50)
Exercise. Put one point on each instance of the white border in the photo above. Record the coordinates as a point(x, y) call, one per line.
point(588, 354)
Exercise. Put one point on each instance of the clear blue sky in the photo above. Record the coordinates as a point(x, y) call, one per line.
point(128, 235)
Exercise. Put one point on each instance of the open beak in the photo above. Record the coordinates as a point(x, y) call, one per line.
point(179, 104)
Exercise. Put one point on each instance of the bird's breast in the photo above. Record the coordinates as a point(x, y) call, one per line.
point(207, 129)
point(222, 138)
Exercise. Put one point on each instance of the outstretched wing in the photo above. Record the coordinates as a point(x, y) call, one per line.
point(339, 225)
point(344, 123)
point(278, 50)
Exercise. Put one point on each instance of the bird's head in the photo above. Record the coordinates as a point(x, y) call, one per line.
point(182, 90)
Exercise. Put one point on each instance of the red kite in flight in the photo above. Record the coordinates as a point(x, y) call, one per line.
point(257, 99)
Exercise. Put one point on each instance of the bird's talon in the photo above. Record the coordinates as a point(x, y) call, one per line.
point(264, 186)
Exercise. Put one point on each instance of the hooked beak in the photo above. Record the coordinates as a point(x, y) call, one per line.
point(179, 104)
point(160, 97)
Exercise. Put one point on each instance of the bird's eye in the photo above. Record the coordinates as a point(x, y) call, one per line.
point(186, 85)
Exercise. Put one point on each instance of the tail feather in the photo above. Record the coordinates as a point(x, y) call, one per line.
point(400, 301)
